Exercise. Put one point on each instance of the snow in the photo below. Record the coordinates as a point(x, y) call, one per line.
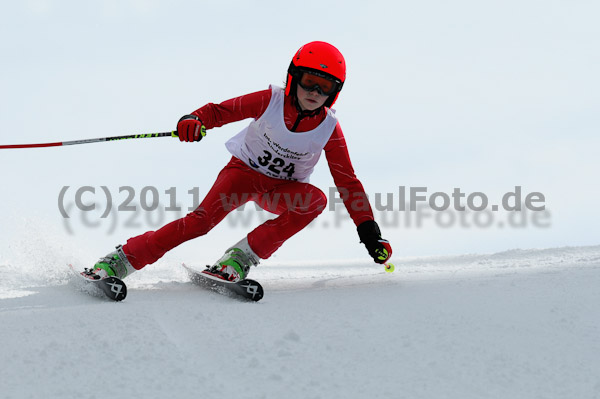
point(515, 324)
point(480, 96)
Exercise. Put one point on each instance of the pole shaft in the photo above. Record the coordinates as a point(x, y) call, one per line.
point(86, 141)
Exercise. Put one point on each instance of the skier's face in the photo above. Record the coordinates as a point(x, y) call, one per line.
point(310, 100)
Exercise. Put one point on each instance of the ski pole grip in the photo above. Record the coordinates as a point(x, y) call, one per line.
point(174, 133)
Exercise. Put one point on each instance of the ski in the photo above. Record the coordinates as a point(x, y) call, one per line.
point(113, 287)
point(249, 289)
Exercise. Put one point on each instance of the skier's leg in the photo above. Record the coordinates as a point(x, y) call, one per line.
point(231, 190)
point(297, 204)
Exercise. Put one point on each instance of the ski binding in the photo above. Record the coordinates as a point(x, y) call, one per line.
point(247, 288)
point(114, 288)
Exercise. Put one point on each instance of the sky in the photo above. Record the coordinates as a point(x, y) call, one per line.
point(482, 97)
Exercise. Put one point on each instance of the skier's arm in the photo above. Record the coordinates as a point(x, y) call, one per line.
point(247, 106)
point(350, 188)
point(353, 194)
point(192, 127)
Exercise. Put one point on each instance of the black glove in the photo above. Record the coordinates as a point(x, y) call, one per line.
point(370, 235)
point(190, 128)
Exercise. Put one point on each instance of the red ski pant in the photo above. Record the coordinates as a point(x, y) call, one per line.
point(297, 204)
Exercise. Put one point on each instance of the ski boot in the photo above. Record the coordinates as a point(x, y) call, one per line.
point(114, 264)
point(235, 264)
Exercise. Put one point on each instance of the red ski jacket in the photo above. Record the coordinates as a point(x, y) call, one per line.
point(253, 105)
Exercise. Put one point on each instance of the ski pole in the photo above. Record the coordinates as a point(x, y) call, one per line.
point(86, 141)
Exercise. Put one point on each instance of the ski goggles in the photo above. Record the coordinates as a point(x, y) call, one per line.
point(324, 86)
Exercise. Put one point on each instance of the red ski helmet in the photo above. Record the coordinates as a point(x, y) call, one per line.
point(321, 59)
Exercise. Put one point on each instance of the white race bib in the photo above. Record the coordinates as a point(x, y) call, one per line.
point(269, 147)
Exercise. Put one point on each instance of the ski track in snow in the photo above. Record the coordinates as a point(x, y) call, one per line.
point(516, 324)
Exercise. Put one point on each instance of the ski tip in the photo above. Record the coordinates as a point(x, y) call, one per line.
point(115, 289)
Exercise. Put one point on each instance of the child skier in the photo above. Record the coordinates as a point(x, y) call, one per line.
point(272, 160)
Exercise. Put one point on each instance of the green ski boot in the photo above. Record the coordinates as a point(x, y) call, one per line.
point(114, 264)
point(235, 264)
